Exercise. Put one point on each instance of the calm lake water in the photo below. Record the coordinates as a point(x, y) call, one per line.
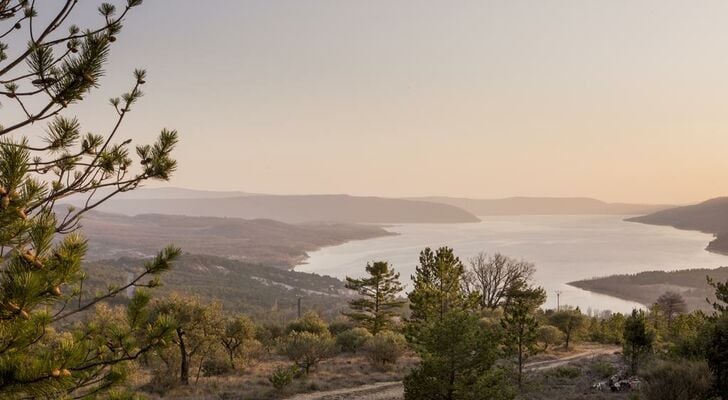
point(564, 249)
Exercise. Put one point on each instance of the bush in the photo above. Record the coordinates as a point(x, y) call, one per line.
point(268, 335)
point(282, 376)
point(385, 348)
point(339, 326)
point(310, 322)
point(603, 369)
point(307, 349)
point(352, 340)
point(683, 380)
point(549, 335)
point(215, 366)
point(565, 372)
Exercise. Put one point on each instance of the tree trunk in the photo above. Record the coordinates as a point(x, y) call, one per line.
point(184, 372)
point(232, 360)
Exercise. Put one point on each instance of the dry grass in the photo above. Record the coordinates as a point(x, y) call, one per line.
point(252, 383)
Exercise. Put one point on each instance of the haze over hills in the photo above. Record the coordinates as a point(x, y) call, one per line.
point(298, 208)
point(544, 206)
point(710, 216)
point(258, 241)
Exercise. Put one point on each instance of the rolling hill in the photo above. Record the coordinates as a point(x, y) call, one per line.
point(297, 209)
point(259, 241)
point(710, 216)
point(544, 206)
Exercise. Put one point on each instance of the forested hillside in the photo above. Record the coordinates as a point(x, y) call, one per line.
point(646, 287)
point(255, 289)
point(257, 241)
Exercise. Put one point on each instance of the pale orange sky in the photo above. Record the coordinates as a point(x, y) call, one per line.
point(618, 100)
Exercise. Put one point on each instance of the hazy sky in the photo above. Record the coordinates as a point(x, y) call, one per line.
point(619, 100)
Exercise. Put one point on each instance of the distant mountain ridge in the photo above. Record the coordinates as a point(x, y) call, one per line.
point(298, 208)
point(710, 216)
point(544, 206)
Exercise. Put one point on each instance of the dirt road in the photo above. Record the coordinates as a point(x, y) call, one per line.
point(395, 390)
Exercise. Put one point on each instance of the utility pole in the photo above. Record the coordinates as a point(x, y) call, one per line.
point(558, 300)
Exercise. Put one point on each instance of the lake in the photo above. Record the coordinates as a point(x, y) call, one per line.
point(564, 249)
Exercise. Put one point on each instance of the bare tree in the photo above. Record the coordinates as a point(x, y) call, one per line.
point(492, 276)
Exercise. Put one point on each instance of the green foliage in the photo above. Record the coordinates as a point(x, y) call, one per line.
point(239, 331)
point(438, 285)
point(564, 372)
point(717, 352)
point(198, 327)
point(549, 335)
point(519, 322)
point(638, 338)
point(385, 348)
point(670, 380)
point(571, 321)
point(307, 349)
point(602, 369)
point(309, 322)
point(339, 325)
point(282, 376)
point(352, 340)
point(379, 303)
point(268, 335)
point(57, 341)
point(456, 352)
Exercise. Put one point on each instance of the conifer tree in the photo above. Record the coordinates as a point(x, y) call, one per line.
point(438, 285)
point(379, 304)
point(638, 338)
point(520, 326)
point(50, 66)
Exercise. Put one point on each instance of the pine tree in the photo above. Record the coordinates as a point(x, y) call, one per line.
point(638, 338)
point(379, 304)
point(438, 285)
point(42, 353)
point(519, 322)
point(571, 321)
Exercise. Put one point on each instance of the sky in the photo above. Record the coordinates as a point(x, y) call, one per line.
point(617, 100)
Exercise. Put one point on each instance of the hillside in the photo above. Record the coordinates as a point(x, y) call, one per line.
point(544, 206)
point(710, 216)
point(646, 287)
point(297, 209)
point(241, 286)
point(258, 241)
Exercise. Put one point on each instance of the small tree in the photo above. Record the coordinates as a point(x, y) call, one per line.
point(379, 304)
point(198, 327)
point(307, 349)
point(438, 285)
point(458, 356)
point(239, 331)
point(549, 335)
point(672, 303)
point(309, 322)
point(385, 348)
point(520, 324)
point(570, 321)
point(638, 338)
point(491, 277)
point(717, 346)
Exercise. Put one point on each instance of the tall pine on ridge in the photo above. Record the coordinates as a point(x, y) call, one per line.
point(379, 304)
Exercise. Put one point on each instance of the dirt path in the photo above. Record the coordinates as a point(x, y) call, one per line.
point(395, 390)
